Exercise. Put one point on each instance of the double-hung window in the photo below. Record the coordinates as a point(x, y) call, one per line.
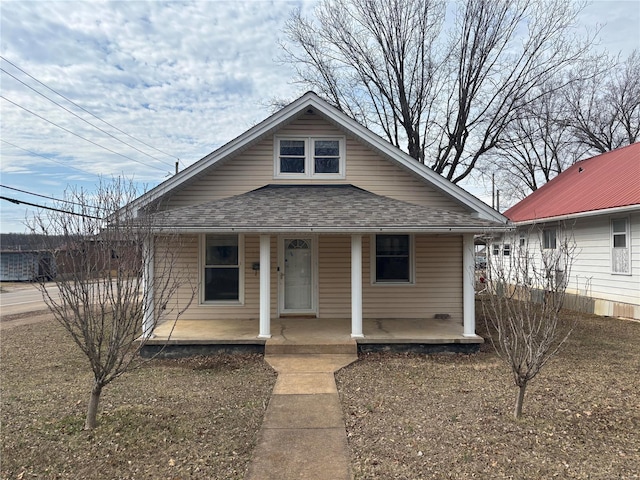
point(620, 255)
point(321, 157)
point(222, 268)
point(393, 259)
point(549, 239)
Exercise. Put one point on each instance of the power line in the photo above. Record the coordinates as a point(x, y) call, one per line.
point(22, 202)
point(85, 121)
point(49, 198)
point(87, 111)
point(80, 136)
point(50, 159)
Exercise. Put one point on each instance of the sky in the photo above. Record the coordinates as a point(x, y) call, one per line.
point(162, 81)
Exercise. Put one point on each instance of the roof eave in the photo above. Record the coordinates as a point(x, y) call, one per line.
point(334, 230)
point(310, 99)
point(573, 216)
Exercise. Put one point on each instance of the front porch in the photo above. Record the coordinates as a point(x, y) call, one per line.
point(311, 335)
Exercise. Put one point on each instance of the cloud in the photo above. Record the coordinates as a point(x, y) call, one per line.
point(183, 77)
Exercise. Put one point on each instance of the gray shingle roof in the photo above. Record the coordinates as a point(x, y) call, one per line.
point(317, 208)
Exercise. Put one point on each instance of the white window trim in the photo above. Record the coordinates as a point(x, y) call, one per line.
point(201, 268)
point(412, 262)
point(309, 164)
point(628, 242)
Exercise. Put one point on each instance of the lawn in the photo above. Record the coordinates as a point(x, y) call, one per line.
point(451, 416)
point(194, 418)
point(407, 416)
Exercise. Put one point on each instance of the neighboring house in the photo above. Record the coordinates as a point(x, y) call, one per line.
point(309, 214)
point(597, 202)
point(26, 265)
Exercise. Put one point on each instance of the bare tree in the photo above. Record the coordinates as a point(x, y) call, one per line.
point(525, 292)
point(536, 147)
point(605, 109)
point(99, 292)
point(447, 95)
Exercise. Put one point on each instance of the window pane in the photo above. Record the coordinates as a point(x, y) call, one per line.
point(392, 269)
point(292, 148)
point(221, 284)
point(620, 241)
point(222, 250)
point(550, 238)
point(327, 148)
point(327, 165)
point(619, 226)
point(292, 165)
point(392, 244)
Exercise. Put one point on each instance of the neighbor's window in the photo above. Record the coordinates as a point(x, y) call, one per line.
point(506, 249)
point(620, 257)
point(495, 249)
point(222, 270)
point(393, 259)
point(309, 157)
point(549, 238)
point(523, 240)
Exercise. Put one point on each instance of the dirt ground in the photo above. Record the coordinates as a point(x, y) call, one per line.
point(407, 416)
point(450, 416)
point(195, 418)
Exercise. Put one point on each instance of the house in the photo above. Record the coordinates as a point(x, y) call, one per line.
point(26, 265)
point(309, 215)
point(597, 202)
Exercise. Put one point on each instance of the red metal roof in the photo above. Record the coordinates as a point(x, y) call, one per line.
point(607, 181)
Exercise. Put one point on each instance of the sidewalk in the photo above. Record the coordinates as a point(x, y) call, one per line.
point(303, 434)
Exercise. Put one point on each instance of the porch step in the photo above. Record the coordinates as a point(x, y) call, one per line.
point(278, 348)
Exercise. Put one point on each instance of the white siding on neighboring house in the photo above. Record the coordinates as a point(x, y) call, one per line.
point(254, 168)
point(593, 272)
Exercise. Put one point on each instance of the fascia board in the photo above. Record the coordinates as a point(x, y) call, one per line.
point(391, 152)
point(331, 230)
point(214, 157)
point(575, 216)
point(310, 99)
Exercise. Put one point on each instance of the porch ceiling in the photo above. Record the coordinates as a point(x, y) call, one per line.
point(318, 208)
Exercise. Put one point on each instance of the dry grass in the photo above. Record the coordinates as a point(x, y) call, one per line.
point(407, 416)
point(450, 416)
point(194, 418)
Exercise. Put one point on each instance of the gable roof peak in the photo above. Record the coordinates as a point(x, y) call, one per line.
point(333, 115)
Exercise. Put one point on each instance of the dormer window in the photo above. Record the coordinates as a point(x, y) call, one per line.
point(318, 157)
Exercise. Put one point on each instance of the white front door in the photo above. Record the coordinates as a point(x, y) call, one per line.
point(297, 276)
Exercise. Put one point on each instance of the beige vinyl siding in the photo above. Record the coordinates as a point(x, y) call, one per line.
point(437, 288)
point(254, 168)
point(188, 261)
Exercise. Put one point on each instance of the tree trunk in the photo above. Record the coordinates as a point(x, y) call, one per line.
point(519, 401)
point(92, 412)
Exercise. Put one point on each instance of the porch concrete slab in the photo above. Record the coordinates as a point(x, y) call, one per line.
point(304, 383)
point(297, 335)
point(296, 454)
point(304, 411)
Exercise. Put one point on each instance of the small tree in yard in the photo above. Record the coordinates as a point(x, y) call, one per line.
point(525, 293)
point(102, 293)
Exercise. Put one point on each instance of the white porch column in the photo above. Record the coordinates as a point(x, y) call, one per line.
point(356, 286)
point(148, 295)
point(468, 286)
point(265, 286)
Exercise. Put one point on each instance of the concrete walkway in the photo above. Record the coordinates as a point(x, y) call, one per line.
point(303, 434)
